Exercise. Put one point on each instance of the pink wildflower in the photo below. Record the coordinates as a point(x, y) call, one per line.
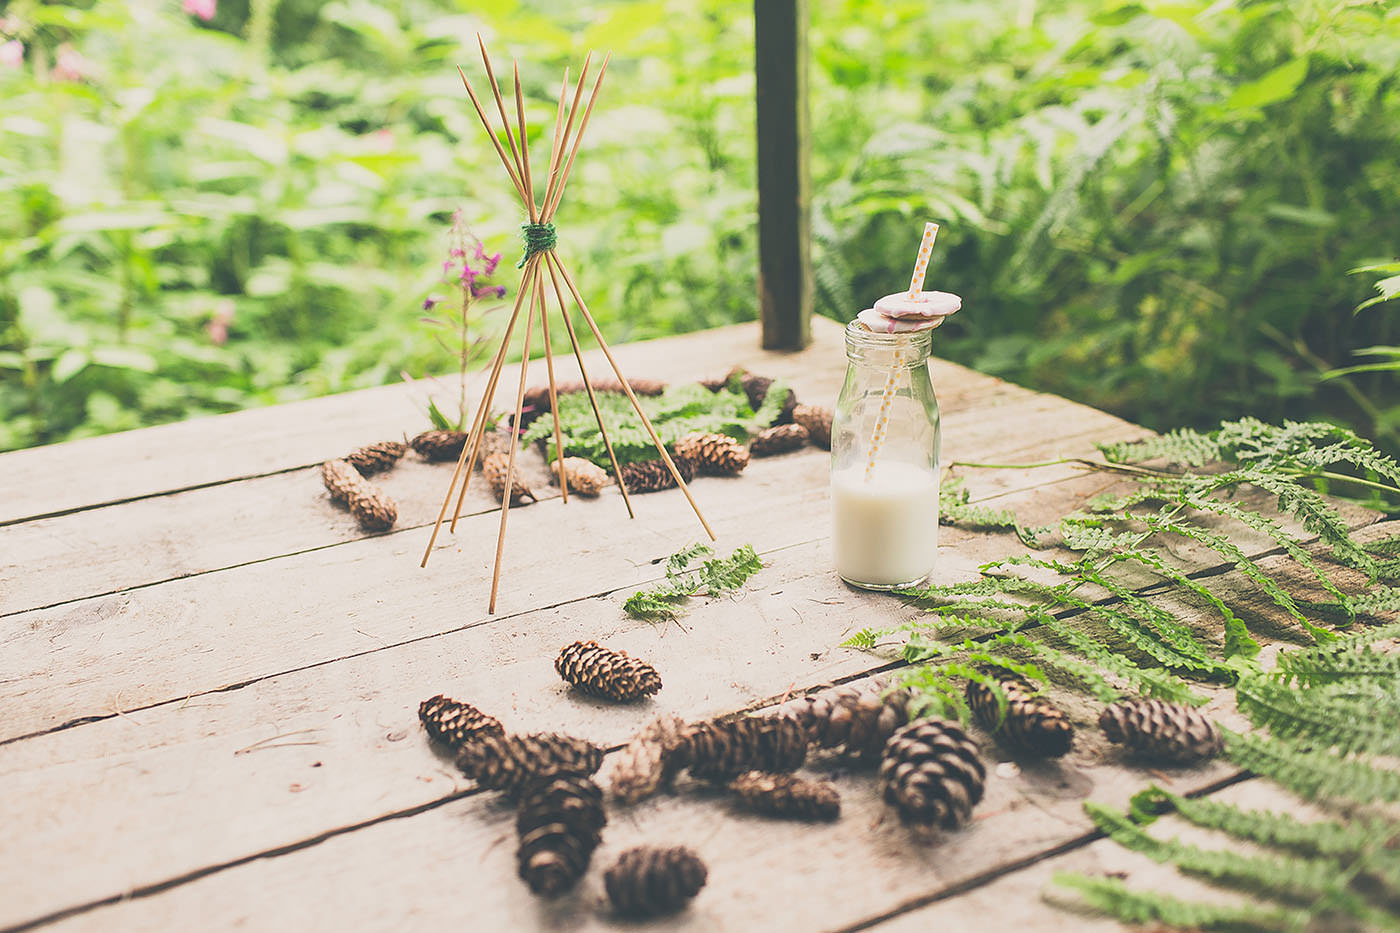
point(204, 9)
point(217, 326)
point(69, 64)
point(12, 54)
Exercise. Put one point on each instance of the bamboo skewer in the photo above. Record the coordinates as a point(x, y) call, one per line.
point(510, 463)
point(554, 263)
point(563, 152)
point(592, 399)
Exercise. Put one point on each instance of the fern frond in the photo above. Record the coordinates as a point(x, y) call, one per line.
point(1346, 658)
point(1280, 830)
point(1184, 446)
point(1238, 641)
point(1112, 896)
point(1311, 774)
point(1294, 714)
point(1384, 599)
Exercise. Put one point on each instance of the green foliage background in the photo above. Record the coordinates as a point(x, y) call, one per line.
point(1152, 207)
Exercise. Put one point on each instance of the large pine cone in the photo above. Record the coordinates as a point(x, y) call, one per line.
point(1167, 731)
point(495, 469)
point(647, 882)
point(785, 795)
point(498, 440)
point(817, 421)
point(713, 454)
point(455, 724)
point(439, 445)
point(857, 720)
point(510, 762)
point(640, 769)
point(653, 476)
point(376, 458)
point(1031, 722)
point(721, 749)
point(583, 476)
point(558, 824)
point(932, 773)
point(778, 439)
point(602, 672)
point(372, 508)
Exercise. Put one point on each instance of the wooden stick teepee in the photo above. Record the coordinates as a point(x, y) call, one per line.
point(541, 258)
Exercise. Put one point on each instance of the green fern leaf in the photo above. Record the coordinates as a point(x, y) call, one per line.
point(1184, 446)
point(1295, 714)
point(1311, 774)
point(1113, 897)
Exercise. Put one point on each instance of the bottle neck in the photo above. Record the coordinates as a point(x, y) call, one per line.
point(866, 348)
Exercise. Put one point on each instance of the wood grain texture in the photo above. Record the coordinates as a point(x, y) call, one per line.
point(117, 467)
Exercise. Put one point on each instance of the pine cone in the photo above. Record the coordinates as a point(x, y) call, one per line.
point(720, 749)
point(498, 440)
point(1031, 722)
point(495, 469)
point(713, 454)
point(455, 724)
point(756, 388)
point(714, 385)
point(817, 421)
point(374, 510)
point(602, 672)
point(1168, 731)
point(785, 795)
point(778, 439)
point(376, 458)
point(857, 720)
point(932, 773)
point(653, 476)
point(647, 881)
point(509, 762)
point(439, 445)
point(641, 767)
point(558, 824)
point(583, 476)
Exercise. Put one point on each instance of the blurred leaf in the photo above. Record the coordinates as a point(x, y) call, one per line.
point(1276, 85)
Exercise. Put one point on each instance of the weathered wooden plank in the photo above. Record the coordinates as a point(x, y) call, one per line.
point(455, 862)
point(1026, 900)
point(129, 650)
point(785, 288)
point(336, 744)
point(118, 467)
point(48, 561)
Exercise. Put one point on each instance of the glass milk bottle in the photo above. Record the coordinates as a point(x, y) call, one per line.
point(885, 506)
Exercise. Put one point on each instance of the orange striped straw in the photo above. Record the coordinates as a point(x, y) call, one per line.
point(916, 286)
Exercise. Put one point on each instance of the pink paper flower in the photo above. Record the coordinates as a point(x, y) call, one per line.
point(12, 54)
point(204, 9)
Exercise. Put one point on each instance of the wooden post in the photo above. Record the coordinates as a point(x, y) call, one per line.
point(784, 188)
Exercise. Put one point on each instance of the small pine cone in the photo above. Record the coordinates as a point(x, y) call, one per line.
point(778, 439)
point(497, 441)
point(648, 881)
point(374, 510)
point(376, 458)
point(721, 749)
point(1031, 722)
point(785, 795)
point(558, 824)
point(1168, 731)
point(653, 475)
point(583, 476)
point(455, 724)
point(641, 767)
point(857, 720)
point(756, 388)
point(932, 773)
point(713, 454)
point(603, 672)
point(439, 445)
point(714, 385)
point(817, 421)
point(495, 468)
point(510, 762)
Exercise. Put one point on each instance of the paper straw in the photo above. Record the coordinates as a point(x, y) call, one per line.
point(916, 286)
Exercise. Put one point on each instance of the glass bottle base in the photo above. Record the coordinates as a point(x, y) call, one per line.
point(884, 587)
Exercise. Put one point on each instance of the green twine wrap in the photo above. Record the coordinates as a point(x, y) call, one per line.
point(539, 238)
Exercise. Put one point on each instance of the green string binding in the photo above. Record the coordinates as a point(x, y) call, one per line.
point(539, 238)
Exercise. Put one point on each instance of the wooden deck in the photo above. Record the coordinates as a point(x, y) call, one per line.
point(209, 678)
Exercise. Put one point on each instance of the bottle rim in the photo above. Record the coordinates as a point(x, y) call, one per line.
point(916, 345)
